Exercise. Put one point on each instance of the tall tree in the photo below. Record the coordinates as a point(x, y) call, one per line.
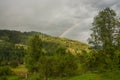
point(104, 27)
point(34, 53)
point(105, 38)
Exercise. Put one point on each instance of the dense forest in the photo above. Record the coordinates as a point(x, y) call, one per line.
point(37, 56)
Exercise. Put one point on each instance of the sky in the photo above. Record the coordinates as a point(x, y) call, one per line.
point(64, 18)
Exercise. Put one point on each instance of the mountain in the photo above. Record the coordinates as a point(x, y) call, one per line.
point(50, 43)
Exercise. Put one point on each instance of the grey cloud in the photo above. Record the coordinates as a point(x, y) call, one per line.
point(53, 17)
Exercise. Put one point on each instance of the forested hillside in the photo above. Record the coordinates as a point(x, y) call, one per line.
point(49, 42)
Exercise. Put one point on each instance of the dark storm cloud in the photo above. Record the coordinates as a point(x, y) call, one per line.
point(53, 17)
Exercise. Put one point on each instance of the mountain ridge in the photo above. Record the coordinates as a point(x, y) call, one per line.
point(50, 43)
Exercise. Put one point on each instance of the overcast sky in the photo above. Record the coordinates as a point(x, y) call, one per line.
point(65, 18)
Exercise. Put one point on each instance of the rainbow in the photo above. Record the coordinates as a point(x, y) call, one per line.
point(68, 30)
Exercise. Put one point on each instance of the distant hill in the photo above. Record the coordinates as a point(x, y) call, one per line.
point(49, 43)
point(71, 45)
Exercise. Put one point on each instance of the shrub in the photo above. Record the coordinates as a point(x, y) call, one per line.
point(5, 71)
point(14, 64)
point(3, 78)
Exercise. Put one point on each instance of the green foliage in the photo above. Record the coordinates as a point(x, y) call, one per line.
point(3, 78)
point(34, 77)
point(104, 29)
point(35, 47)
point(11, 54)
point(49, 43)
point(34, 53)
point(4, 71)
point(15, 36)
point(112, 75)
point(105, 39)
point(48, 66)
point(99, 62)
point(59, 64)
point(17, 56)
point(6, 49)
point(69, 65)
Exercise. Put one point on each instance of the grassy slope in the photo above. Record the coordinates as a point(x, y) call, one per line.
point(75, 47)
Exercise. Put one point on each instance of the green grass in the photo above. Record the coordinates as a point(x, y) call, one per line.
point(13, 78)
point(92, 77)
point(87, 77)
point(82, 77)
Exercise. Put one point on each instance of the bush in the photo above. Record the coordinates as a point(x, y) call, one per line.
point(5, 71)
point(3, 78)
point(98, 61)
point(68, 65)
point(58, 66)
point(14, 64)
